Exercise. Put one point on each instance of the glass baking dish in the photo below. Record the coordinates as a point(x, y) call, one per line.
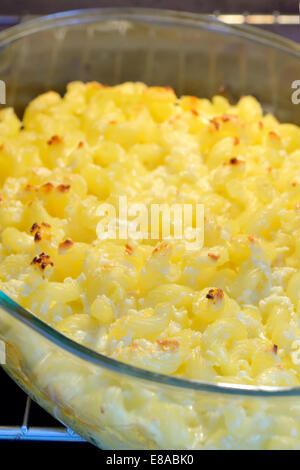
point(111, 404)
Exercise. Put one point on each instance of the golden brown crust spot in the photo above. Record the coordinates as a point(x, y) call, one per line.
point(168, 344)
point(213, 256)
point(274, 134)
point(216, 295)
point(128, 249)
point(215, 123)
point(63, 188)
point(234, 162)
point(224, 118)
point(65, 245)
point(37, 236)
point(40, 232)
point(34, 227)
point(162, 247)
point(55, 139)
point(47, 187)
point(29, 187)
point(42, 261)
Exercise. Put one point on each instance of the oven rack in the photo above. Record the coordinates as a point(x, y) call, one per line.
point(25, 432)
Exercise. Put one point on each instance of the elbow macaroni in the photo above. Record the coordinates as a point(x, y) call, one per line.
point(226, 313)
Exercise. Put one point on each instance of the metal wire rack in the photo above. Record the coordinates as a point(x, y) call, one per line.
point(286, 24)
point(25, 432)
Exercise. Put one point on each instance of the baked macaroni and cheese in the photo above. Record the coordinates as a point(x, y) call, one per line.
point(225, 312)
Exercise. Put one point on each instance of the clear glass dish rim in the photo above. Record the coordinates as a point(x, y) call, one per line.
point(158, 16)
